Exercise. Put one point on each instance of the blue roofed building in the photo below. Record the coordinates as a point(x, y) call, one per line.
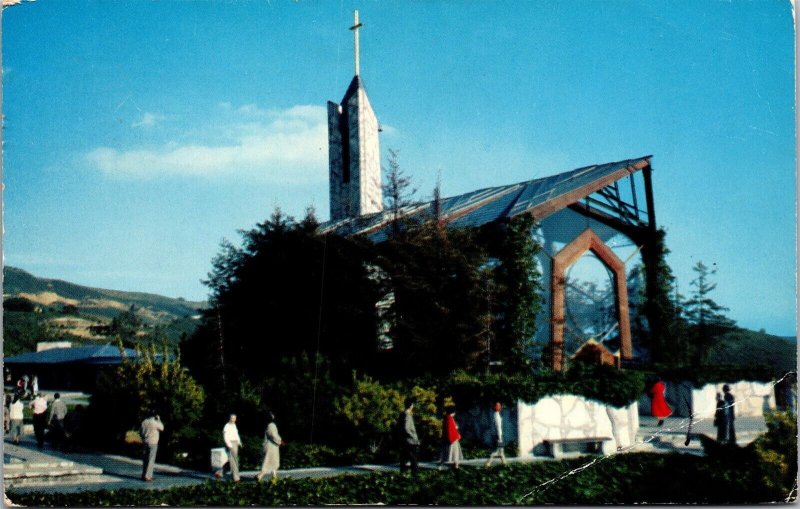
point(74, 368)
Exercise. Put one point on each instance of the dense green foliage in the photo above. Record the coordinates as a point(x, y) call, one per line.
point(286, 292)
point(777, 451)
point(439, 300)
point(294, 315)
point(149, 383)
point(600, 383)
point(516, 293)
point(659, 307)
point(21, 331)
point(620, 479)
point(371, 410)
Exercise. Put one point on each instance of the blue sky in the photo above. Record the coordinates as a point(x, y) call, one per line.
point(140, 134)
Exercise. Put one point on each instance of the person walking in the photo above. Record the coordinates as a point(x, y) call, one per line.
point(39, 406)
point(230, 435)
point(721, 420)
point(730, 415)
point(35, 385)
point(272, 452)
point(150, 431)
point(409, 441)
point(58, 411)
point(497, 436)
point(19, 390)
point(452, 455)
point(658, 405)
point(15, 414)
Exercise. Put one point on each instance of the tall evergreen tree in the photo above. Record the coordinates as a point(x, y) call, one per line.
point(287, 292)
point(516, 291)
point(664, 322)
point(398, 192)
point(706, 317)
point(436, 277)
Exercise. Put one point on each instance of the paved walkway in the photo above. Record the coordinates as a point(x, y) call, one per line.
point(122, 472)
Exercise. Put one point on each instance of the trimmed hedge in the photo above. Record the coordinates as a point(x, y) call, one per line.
point(620, 479)
point(604, 384)
point(715, 374)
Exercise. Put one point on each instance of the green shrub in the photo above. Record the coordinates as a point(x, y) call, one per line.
point(620, 479)
point(295, 455)
point(716, 374)
point(138, 386)
point(600, 383)
point(371, 411)
point(777, 451)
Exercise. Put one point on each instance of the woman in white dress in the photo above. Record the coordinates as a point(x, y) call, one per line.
point(272, 453)
point(451, 439)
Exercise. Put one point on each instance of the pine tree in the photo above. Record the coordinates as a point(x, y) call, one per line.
point(398, 192)
point(705, 316)
point(665, 337)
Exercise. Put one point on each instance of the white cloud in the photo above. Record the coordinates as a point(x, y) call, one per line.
point(148, 120)
point(286, 145)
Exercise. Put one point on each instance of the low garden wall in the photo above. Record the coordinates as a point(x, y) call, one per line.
point(568, 416)
point(752, 399)
point(477, 424)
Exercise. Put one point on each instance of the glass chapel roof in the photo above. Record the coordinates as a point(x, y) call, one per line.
point(540, 197)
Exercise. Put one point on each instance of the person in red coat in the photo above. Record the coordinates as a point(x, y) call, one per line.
point(451, 445)
point(658, 406)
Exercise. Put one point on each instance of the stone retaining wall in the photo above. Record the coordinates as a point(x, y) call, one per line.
point(568, 416)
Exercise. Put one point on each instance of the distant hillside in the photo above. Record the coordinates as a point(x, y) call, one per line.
point(747, 348)
point(95, 301)
point(37, 309)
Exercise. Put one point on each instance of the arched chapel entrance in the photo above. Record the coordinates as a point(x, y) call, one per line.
point(586, 241)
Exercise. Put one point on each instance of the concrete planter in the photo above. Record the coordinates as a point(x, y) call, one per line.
point(568, 416)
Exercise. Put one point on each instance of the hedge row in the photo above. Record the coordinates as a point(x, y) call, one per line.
point(719, 374)
point(604, 384)
point(620, 479)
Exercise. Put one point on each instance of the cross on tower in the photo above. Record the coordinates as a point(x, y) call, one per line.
point(354, 28)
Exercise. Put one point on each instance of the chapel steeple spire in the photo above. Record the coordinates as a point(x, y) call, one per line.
point(353, 149)
point(354, 28)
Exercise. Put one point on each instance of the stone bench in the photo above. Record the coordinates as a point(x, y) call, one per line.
point(571, 447)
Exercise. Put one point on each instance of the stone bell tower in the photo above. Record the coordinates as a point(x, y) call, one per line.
point(353, 150)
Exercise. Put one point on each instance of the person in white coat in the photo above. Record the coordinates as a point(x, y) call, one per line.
point(230, 434)
point(497, 436)
point(16, 415)
point(150, 431)
point(272, 453)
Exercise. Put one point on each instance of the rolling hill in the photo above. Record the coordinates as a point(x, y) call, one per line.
point(153, 309)
point(38, 309)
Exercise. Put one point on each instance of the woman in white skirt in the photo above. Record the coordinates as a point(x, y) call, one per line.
point(272, 453)
point(451, 439)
